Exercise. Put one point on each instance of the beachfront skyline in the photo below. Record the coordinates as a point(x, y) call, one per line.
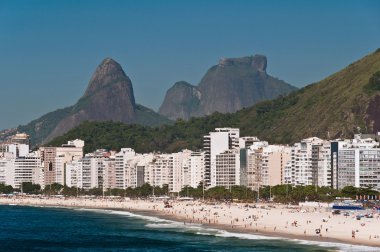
point(50, 49)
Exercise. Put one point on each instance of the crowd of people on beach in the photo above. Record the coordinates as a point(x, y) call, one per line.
point(316, 222)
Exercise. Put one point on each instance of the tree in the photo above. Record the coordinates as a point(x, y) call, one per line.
point(72, 191)
point(29, 187)
point(349, 191)
point(218, 193)
point(7, 189)
point(54, 188)
point(95, 191)
point(145, 190)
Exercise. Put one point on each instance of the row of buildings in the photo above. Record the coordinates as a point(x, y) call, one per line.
point(225, 160)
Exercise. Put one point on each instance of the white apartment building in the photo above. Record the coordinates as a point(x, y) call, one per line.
point(13, 150)
point(215, 143)
point(358, 163)
point(167, 169)
point(176, 182)
point(301, 158)
point(7, 171)
point(227, 169)
point(195, 173)
point(142, 164)
point(15, 171)
point(91, 172)
point(88, 172)
point(74, 174)
point(121, 161)
point(321, 164)
point(157, 171)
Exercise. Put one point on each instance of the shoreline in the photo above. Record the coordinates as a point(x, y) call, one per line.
point(269, 234)
point(200, 213)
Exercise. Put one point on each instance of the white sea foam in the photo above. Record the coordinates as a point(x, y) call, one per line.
point(140, 216)
point(340, 246)
point(227, 234)
point(125, 213)
point(169, 225)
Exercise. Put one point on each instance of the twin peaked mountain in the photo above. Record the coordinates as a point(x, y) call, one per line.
point(227, 87)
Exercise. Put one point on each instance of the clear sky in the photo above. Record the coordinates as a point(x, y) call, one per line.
point(49, 49)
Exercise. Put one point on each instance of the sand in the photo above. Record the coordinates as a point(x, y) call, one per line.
point(265, 219)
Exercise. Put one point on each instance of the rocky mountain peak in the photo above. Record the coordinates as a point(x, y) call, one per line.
point(109, 96)
point(108, 71)
point(233, 84)
point(257, 62)
point(181, 101)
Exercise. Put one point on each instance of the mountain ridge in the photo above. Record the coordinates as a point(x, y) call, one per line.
point(338, 106)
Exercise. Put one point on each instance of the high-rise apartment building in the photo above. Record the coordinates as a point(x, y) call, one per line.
point(267, 164)
point(54, 160)
point(223, 139)
point(301, 158)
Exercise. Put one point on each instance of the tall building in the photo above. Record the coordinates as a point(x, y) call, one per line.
point(15, 171)
point(302, 155)
point(74, 174)
point(196, 165)
point(121, 159)
point(55, 159)
point(157, 171)
point(176, 182)
point(321, 164)
point(223, 139)
point(7, 171)
point(109, 173)
point(267, 165)
point(244, 144)
point(358, 163)
point(227, 169)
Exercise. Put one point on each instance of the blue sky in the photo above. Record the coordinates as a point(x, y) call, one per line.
point(49, 49)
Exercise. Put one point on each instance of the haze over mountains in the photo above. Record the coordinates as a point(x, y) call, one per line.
point(233, 84)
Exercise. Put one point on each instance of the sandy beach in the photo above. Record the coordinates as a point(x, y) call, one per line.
point(296, 222)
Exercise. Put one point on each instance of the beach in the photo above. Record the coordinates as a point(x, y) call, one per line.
point(315, 223)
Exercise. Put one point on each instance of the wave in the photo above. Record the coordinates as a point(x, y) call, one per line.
point(340, 246)
point(125, 213)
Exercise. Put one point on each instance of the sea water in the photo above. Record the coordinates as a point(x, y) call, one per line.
point(61, 229)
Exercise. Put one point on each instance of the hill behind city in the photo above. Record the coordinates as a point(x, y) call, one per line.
point(340, 105)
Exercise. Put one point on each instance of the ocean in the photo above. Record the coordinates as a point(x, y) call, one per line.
point(25, 228)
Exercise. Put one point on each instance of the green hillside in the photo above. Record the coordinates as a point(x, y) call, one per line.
point(338, 106)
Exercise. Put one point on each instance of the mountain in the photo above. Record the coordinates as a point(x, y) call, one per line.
point(181, 101)
point(341, 105)
point(108, 97)
point(233, 84)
